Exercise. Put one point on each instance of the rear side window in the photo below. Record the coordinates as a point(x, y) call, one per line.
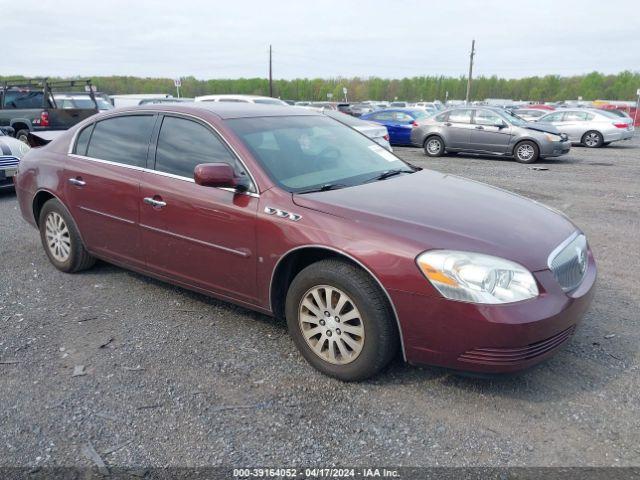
point(441, 117)
point(83, 140)
point(183, 144)
point(122, 139)
point(575, 116)
point(460, 116)
point(18, 99)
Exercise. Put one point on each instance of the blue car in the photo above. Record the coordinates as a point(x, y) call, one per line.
point(399, 122)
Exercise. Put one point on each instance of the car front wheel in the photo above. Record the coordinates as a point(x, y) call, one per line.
point(434, 146)
point(340, 320)
point(61, 240)
point(526, 152)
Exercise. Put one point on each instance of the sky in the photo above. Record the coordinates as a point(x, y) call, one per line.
point(317, 38)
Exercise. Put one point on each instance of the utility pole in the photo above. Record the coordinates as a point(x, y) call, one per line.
point(270, 75)
point(473, 52)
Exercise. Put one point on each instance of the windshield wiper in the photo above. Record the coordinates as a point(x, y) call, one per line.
point(323, 188)
point(389, 173)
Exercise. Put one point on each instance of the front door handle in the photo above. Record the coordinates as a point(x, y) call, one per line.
point(154, 203)
point(479, 127)
point(447, 124)
point(77, 182)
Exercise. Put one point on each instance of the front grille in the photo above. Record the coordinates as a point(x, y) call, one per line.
point(6, 162)
point(513, 356)
point(569, 262)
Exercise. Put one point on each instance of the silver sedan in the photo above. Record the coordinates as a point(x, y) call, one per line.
point(590, 127)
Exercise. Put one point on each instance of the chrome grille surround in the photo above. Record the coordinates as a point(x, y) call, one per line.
point(569, 261)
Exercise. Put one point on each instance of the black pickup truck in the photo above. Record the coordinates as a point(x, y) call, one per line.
point(30, 105)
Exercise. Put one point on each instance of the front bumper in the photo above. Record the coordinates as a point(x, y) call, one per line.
point(555, 149)
point(492, 338)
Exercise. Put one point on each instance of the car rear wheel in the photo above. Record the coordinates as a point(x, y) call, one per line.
point(340, 320)
point(592, 139)
point(433, 146)
point(23, 135)
point(61, 240)
point(526, 152)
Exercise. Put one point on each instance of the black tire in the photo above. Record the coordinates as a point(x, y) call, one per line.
point(592, 139)
point(433, 146)
point(526, 151)
point(78, 258)
point(23, 135)
point(380, 340)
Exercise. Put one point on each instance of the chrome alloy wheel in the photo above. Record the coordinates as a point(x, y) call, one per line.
point(433, 146)
point(592, 139)
point(58, 239)
point(331, 324)
point(525, 152)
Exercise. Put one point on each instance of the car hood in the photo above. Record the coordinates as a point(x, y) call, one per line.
point(12, 147)
point(431, 210)
point(542, 127)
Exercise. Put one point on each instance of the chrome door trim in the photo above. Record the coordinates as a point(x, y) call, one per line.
point(120, 113)
point(155, 172)
point(103, 214)
point(240, 253)
point(365, 268)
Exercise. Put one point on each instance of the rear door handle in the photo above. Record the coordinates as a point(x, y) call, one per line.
point(447, 124)
point(479, 127)
point(77, 181)
point(154, 203)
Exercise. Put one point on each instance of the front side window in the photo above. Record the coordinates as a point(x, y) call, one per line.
point(122, 139)
point(552, 117)
point(303, 153)
point(183, 144)
point(460, 116)
point(487, 117)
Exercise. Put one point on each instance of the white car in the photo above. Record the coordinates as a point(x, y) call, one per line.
point(81, 100)
point(530, 114)
point(11, 151)
point(590, 127)
point(242, 99)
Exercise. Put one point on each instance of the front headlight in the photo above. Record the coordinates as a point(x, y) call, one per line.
point(553, 138)
point(477, 278)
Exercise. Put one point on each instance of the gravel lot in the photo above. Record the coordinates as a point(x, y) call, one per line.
point(173, 378)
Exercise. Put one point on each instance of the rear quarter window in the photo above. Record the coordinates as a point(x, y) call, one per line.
point(82, 141)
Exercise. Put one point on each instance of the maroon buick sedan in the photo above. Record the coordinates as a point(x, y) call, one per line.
point(293, 214)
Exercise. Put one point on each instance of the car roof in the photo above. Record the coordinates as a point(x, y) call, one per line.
point(229, 95)
point(224, 110)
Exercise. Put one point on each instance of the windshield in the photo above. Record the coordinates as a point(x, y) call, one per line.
point(512, 117)
point(304, 152)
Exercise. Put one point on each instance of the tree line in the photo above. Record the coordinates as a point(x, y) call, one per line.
point(592, 86)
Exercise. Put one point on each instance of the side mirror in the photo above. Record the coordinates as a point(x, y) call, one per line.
point(219, 175)
point(501, 125)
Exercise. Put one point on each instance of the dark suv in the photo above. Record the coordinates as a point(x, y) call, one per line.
point(30, 105)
